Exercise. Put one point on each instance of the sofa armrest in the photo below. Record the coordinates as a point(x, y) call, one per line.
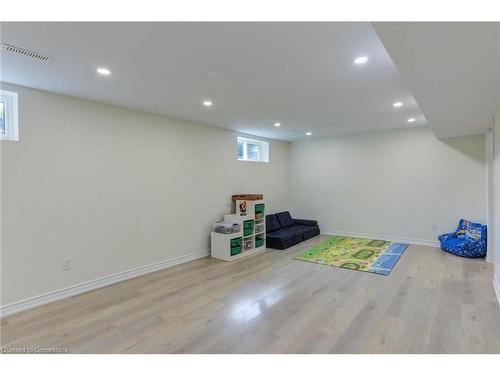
point(312, 223)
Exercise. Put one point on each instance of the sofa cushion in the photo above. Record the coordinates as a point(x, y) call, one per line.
point(282, 245)
point(285, 219)
point(285, 234)
point(314, 232)
point(313, 223)
point(293, 231)
point(272, 223)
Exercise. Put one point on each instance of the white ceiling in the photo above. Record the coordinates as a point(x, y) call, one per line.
point(453, 71)
point(299, 74)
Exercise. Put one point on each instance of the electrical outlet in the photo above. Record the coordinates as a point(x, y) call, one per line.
point(66, 264)
point(434, 227)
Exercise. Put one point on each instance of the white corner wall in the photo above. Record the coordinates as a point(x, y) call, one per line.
point(114, 189)
point(393, 184)
point(496, 201)
point(496, 193)
point(490, 192)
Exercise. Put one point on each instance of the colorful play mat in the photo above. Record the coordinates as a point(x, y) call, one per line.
point(360, 254)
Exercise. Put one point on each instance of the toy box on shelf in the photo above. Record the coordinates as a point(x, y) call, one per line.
point(251, 239)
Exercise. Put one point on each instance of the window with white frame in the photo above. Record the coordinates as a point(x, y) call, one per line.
point(252, 150)
point(8, 115)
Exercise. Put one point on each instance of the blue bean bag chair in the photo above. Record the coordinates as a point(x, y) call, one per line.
point(469, 240)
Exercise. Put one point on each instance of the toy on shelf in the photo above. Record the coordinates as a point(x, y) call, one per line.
point(248, 244)
point(242, 208)
point(223, 227)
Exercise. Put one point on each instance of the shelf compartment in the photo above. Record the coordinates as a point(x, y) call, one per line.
point(236, 250)
point(236, 242)
point(248, 227)
point(259, 211)
point(248, 224)
point(259, 208)
point(259, 241)
point(236, 246)
point(259, 228)
point(248, 244)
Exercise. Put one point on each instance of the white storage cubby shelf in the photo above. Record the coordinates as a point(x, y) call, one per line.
point(251, 239)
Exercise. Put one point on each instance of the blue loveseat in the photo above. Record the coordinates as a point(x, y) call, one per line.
point(282, 231)
point(469, 240)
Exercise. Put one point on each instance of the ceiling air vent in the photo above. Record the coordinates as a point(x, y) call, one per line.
point(25, 52)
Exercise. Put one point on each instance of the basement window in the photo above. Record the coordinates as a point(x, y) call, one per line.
point(8, 116)
point(252, 150)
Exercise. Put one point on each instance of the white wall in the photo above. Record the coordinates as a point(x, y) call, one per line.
point(394, 183)
point(114, 189)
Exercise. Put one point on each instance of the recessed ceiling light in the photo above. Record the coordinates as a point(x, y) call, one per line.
point(207, 103)
point(308, 133)
point(397, 104)
point(360, 60)
point(277, 124)
point(411, 120)
point(103, 71)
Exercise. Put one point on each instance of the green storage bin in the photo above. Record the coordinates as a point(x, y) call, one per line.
point(236, 242)
point(259, 208)
point(248, 231)
point(259, 242)
point(248, 224)
point(236, 250)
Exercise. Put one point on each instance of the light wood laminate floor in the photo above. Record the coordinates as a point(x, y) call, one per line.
point(431, 302)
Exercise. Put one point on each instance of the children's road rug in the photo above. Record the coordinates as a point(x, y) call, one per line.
point(360, 254)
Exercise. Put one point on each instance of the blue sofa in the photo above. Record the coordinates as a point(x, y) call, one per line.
point(469, 240)
point(282, 231)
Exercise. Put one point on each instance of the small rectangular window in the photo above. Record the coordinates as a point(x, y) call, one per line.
point(252, 150)
point(8, 115)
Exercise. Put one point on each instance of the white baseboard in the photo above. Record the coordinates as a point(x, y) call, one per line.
point(411, 241)
point(496, 286)
point(100, 282)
